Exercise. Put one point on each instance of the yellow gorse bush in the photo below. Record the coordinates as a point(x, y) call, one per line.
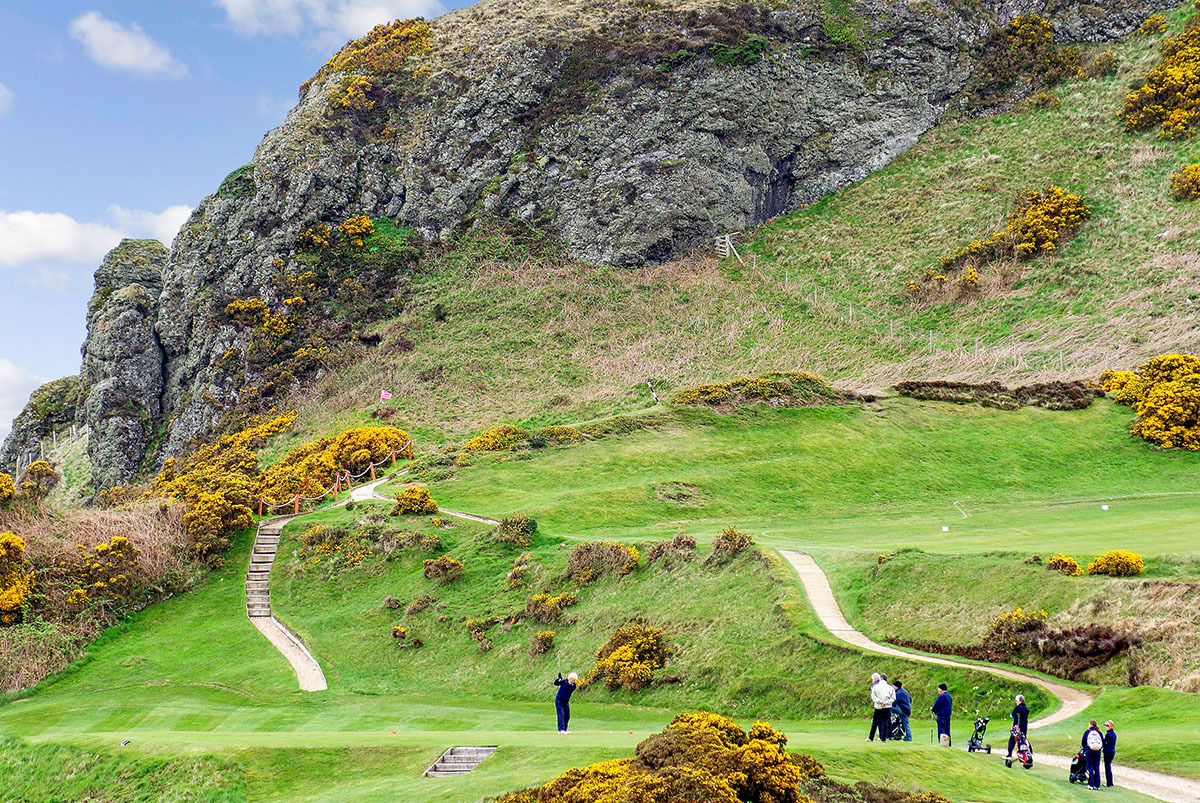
point(1185, 183)
point(629, 657)
point(413, 500)
point(386, 50)
point(1064, 564)
point(1039, 222)
point(8, 490)
point(16, 578)
point(356, 228)
point(1117, 563)
point(1155, 23)
point(313, 238)
point(311, 468)
point(107, 571)
point(218, 484)
point(1170, 97)
point(497, 438)
point(1165, 392)
point(547, 607)
point(798, 386)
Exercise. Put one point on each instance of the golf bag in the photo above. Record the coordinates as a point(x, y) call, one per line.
point(1078, 772)
point(896, 728)
point(975, 743)
point(1023, 755)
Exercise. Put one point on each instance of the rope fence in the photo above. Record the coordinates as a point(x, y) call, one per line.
point(342, 481)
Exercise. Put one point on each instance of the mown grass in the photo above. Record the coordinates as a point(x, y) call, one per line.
point(876, 478)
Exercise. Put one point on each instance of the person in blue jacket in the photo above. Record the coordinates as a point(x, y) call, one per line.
point(1092, 744)
point(903, 707)
point(1110, 750)
point(942, 707)
point(562, 700)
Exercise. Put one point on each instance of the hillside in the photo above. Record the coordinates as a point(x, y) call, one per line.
point(617, 137)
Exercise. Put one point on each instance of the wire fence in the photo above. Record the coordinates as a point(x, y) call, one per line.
point(342, 481)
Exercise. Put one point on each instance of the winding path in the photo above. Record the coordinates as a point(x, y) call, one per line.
point(1170, 788)
point(258, 594)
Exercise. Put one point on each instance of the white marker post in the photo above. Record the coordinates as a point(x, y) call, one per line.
point(945, 528)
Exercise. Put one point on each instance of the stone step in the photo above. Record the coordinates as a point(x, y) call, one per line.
point(444, 774)
point(458, 761)
point(265, 549)
point(260, 566)
point(481, 752)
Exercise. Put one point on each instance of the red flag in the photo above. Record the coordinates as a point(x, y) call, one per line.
point(384, 395)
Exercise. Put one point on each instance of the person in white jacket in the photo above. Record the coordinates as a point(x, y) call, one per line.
point(882, 697)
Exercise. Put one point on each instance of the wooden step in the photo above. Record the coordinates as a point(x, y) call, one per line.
point(458, 761)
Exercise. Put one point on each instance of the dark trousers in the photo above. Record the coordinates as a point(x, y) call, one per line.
point(882, 722)
point(943, 726)
point(1108, 757)
point(1093, 767)
point(564, 713)
point(1012, 744)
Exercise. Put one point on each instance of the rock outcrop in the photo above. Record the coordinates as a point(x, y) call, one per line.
point(121, 381)
point(51, 407)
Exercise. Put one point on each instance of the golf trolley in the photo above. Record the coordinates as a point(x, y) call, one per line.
point(1023, 754)
point(975, 743)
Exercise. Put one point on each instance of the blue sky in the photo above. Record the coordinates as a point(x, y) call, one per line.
point(115, 119)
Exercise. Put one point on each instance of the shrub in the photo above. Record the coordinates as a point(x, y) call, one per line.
point(1170, 96)
point(1019, 55)
point(1064, 565)
point(7, 489)
point(314, 238)
point(391, 603)
point(106, 572)
point(1116, 563)
point(1102, 66)
point(591, 559)
point(311, 468)
point(515, 530)
point(384, 51)
point(419, 604)
point(38, 480)
point(218, 485)
point(355, 228)
point(789, 388)
point(1155, 23)
point(16, 579)
point(540, 643)
point(399, 633)
point(548, 608)
point(925, 797)
point(681, 548)
point(478, 629)
point(497, 439)
point(516, 577)
point(1165, 392)
point(727, 546)
point(1040, 221)
point(629, 657)
point(1185, 183)
point(414, 499)
point(443, 570)
point(560, 434)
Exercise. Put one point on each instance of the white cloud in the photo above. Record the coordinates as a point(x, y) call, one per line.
point(332, 21)
point(124, 47)
point(30, 237)
point(161, 226)
point(15, 386)
point(6, 100)
point(33, 240)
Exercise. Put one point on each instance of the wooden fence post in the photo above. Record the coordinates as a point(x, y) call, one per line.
point(372, 472)
point(393, 458)
point(260, 503)
point(296, 504)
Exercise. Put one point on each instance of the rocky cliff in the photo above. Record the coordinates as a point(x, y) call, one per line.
point(121, 381)
point(632, 131)
point(51, 407)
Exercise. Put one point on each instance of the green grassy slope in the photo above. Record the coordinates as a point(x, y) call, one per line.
point(874, 478)
point(504, 329)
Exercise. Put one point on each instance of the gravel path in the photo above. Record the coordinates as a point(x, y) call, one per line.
point(1170, 788)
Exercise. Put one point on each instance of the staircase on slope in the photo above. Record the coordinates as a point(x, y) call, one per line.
point(458, 761)
point(258, 576)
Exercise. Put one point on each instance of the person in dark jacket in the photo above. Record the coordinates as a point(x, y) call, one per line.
point(903, 707)
point(1020, 718)
point(1092, 744)
point(942, 707)
point(562, 700)
point(1110, 750)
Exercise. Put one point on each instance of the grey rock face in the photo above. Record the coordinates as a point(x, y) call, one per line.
point(121, 382)
point(638, 164)
point(50, 407)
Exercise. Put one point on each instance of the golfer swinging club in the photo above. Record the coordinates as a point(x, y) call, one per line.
point(562, 700)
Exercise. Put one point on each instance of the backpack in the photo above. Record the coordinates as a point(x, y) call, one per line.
point(1094, 740)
